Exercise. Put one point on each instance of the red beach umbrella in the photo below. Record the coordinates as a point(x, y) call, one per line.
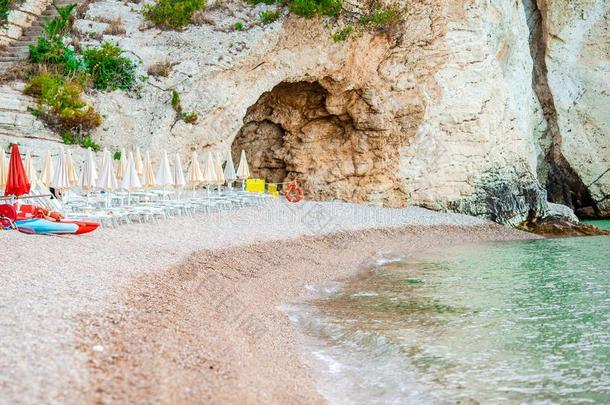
point(17, 182)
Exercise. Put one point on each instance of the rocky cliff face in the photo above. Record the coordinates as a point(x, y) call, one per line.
point(574, 37)
point(477, 106)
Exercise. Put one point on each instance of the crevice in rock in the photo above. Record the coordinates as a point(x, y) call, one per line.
point(327, 138)
point(563, 184)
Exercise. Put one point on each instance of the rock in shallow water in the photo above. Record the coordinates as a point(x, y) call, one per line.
point(560, 226)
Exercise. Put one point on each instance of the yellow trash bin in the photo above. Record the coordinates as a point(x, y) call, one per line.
point(255, 185)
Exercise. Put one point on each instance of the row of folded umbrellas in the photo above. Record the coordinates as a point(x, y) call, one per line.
point(131, 171)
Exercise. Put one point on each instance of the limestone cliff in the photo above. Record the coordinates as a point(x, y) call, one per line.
point(472, 105)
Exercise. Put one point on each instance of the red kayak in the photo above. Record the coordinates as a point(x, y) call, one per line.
point(36, 220)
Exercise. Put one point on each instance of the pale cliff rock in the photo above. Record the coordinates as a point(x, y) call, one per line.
point(576, 38)
point(448, 113)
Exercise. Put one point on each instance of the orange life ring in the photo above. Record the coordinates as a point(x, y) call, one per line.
point(293, 193)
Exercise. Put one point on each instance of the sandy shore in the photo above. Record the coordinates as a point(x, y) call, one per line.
point(187, 309)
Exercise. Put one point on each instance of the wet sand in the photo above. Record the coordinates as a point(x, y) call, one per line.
point(210, 329)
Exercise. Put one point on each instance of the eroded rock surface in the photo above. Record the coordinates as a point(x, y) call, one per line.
point(465, 92)
point(332, 141)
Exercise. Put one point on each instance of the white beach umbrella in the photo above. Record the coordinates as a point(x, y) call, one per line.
point(71, 169)
point(104, 154)
point(179, 181)
point(131, 181)
point(107, 179)
point(243, 170)
point(61, 179)
point(3, 169)
point(209, 170)
point(164, 176)
point(194, 176)
point(122, 167)
point(30, 169)
point(230, 175)
point(46, 176)
point(149, 174)
point(220, 176)
point(88, 176)
point(138, 161)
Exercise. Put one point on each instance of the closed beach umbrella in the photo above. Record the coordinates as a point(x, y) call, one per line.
point(122, 167)
point(3, 169)
point(149, 173)
point(30, 169)
point(230, 175)
point(88, 177)
point(194, 176)
point(107, 179)
point(71, 168)
point(104, 154)
point(46, 176)
point(179, 181)
point(220, 176)
point(17, 182)
point(138, 162)
point(131, 180)
point(243, 170)
point(209, 171)
point(164, 176)
point(60, 179)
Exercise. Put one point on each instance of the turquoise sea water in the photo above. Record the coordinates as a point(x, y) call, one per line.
point(517, 322)
point(600, 223)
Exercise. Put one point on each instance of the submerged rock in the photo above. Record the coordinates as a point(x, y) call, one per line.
point(560, 226)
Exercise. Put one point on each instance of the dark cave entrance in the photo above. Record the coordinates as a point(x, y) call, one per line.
point(303, 131)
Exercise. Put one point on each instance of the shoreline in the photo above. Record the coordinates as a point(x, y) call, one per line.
point(210, 329)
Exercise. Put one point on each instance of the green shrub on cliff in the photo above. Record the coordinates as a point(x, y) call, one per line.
point(5, 7)
point(312, 8)
point(269, 16)
point(50, 48)
point(59, 104)
point(176, 103)
point(343, 33)
point(108, 69)
point(67, 74)
point(190, 117)
point(384, 17)
point(172, 14)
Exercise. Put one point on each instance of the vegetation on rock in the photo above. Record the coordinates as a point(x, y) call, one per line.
point(64, 74)
point(239, 26)
point(108, 69)
point(313, 8)
point(86, 141)
point(269, 16)
point(384, 17)
point(5, 8)
point(176, 104)
point(60, 106)
point(160, 69)
point(115, 27)
point(343, 33)
point(190, 117)
point(172, 14)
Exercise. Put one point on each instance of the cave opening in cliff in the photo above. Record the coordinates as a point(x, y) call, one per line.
point(320, 137)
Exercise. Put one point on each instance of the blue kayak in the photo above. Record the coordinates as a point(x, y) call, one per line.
point(44, 227)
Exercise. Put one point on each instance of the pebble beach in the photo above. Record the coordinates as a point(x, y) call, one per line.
point(188, 309)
